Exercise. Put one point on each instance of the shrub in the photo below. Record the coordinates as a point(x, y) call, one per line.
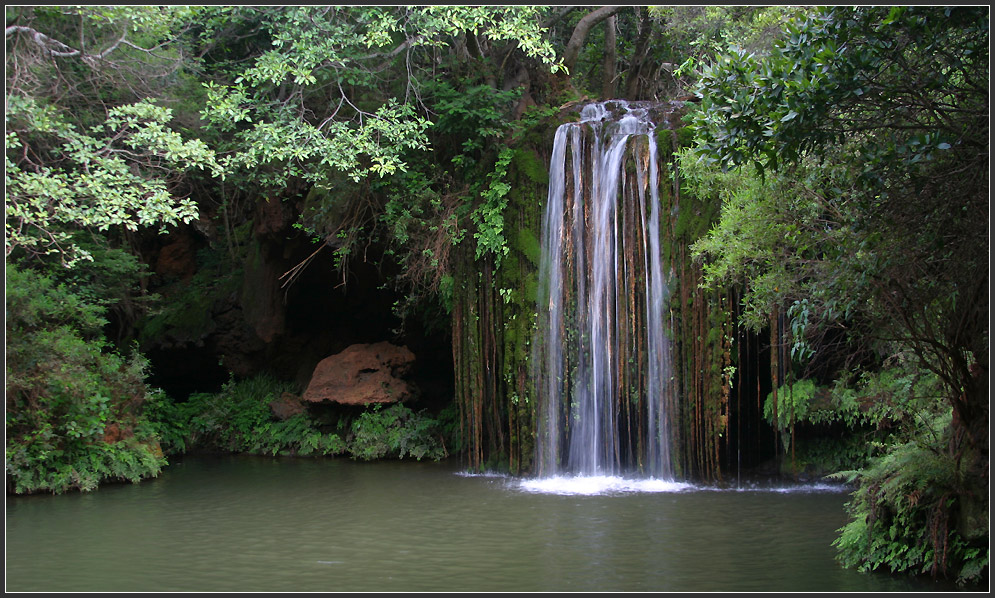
point(915, 509)
point(73, 403)
point(909, 514)
point(395, 431)
point(239, 419)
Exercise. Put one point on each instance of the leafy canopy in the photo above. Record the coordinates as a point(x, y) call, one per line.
point(316, 100)
point(60, 179)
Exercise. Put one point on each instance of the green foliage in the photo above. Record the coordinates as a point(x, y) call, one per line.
point(699, 33)
point(67, 391)
point(912, 510)
point(909, 514)
point(427, 211)
point(166, 420)
point(110, 280)
point(38, 467)
point(424, 212)
point(841, 61)
point(489, 216)
point(60, 179)
point(476, 115)
point(517, 24)
point(95, 138)
point(771, 238)
point(397, 432)
point(888, 405)
point(528, 130)
point(274, 151)
point(890, 394)
point(239, 419)
point(893, 397)
point(862, 123)
point(821, 455)
point(422, 224)
point(312, 102)
point(297, 435)
point(793, 402)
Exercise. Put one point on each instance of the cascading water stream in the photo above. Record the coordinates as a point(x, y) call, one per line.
point(602, 352)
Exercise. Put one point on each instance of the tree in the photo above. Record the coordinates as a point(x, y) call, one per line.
point(349, 106)
point(94, 153)
point(580, 31)
point(876, 122)
point(78, 157)
point(317, 98)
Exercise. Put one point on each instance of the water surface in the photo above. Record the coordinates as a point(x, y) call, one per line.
point(259, 524)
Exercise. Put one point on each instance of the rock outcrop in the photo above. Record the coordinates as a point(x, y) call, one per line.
point(286, 407)
point(362, 374)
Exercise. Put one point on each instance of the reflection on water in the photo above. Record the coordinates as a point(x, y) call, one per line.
point(257, 524)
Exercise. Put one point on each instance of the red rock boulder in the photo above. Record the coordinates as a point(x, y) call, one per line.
point(362, 375)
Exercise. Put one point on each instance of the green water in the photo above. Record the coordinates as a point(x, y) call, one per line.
point(257, 524)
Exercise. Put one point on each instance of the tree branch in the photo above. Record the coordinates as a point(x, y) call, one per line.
point(553, 19)
point(572, 51)
point(50, 45)
point(62, 50)
point(608, 85)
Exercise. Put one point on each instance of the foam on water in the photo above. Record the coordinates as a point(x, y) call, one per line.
point(609, 485)
point(614, 485)
point(600, 485)
point(796, 488)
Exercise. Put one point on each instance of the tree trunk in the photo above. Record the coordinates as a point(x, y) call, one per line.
point(639, 63)
point(572, 51)
point(473, 46)
point(609, 85)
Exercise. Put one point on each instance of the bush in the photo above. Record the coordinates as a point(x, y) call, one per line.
point(73, 404)
point(239, 420)
point(909, 514)
point(40, 466)
point(916, 509)
point(396, 431)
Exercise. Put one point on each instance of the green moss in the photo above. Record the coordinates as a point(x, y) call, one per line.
point(685, 137)
point(527, 242)
point(187, 313)
point(695, 218)
point(528, 164)
point(665, 142)
point(532, 289)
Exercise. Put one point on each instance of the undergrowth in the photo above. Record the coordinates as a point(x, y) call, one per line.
point(239, 420)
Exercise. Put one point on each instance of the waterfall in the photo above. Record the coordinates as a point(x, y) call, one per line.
point(601, 357)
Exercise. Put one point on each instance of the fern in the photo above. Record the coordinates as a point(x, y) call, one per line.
point(397, 432)
point(904, 512)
